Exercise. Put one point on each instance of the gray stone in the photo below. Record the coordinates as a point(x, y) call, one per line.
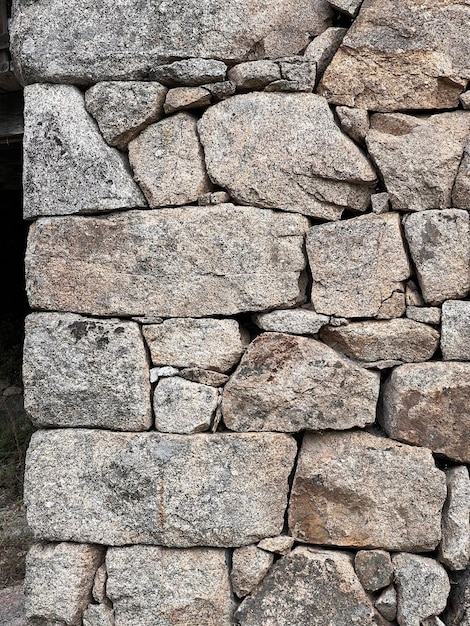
point(254, 74)
point(289, 383)
point(167, 371)
point(303, 161)
point(349, 7)
point(419, 157)
point(455, 339)
point(465, 99)
point(380, 203)
point(68, 167)
point(213, 197)
point(282, 544)
point(99, 584)
point(249, 566)
point(432, 621)
point(98, 615)
point(374, 569)
point(58, 583)
point(439, 243)
point(295, 321)
point(155, 586)
point(297, 74)
point(212, 344)
point(458, 607)
point(323, 48)
point(424, 314)
point(422, 586)
point(309, 587)
point(190, 72)
point(153, 488)
point(182, 98)
point(426, 404)
point(386, 603)
point(128, 264)
point(12, 606)
point(357, 267)
point(181, 406)
point(205, 377)
point(124, 108)
point(359, 490)
point(354, 122)
point(221, 90)
point(397, 340)
point(386, 63)
point(83, 371)
point(168, 162)
point(461, 190)
point(454, 549)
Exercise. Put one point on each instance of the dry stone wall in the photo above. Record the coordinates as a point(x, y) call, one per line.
point(249, 351)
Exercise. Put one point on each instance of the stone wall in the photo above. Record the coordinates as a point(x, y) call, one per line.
point(249, 352)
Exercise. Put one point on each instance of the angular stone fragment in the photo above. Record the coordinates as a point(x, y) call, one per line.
point(461, 190)
point(68, 167)
point(386, 603)
point(297, 74)
point(349, 7)
point(249, 566)
point(323, 48)
point(309, 587)
point(357, 267)
point(128, 264)
point(124, 108)
point(426, 404)
point(455, 339)
point(58, 582)
point(284, 151)
point(465, 100)
point(212, 344)
point(171, 490)
point(190, 72)
point(153, 586)
point(205, 377)
point(386, 63)
point(354, 122)
point(254, 74)
point(83, 371)
point(419, 157)
point(282, 544)
point(295, 321)
point(221, 90)
point(182, 98)
point(374, 569)
point(454, 549)
point(213, 197)
point(356, 489)
point(400, 339)
point(168, 162)
point(439, 243)
point(380, 203)
point(424, 314)
point(99, 584)
point(412, 295)
point(422, 586)
point(98, 615)
point(288, 383)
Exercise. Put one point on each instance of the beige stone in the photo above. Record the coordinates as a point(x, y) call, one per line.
point(205, 377)
point(323, 48)
point(254, 74)
point(249, 566)
point(182, 98)
point(282, 544)
point(455, 339)
point(424, 314)
point(465, 100)
point(349, 7)
point(354, 122)
point(99, 584)
point(386, 603)
point(302, 321)
point(461, 190)
point(454, 549)
point(298, 73)
point(98, 615)
point(213, 197)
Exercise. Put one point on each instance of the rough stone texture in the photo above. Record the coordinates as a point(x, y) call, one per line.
point(221, 90)
point(98, 615)
point(357, 267)
point(380, 203)
point(419, 157)
point(67, 569)
point(309, 587)
point(182, 98)
point(295, 321)
point(439, 243)
point(99, 584)
point(454, 549)
point(461, 190)
point(386, 63)
point(455, 340)
point(288, 383)
point(205, 377)
point(169, 490)
point(140, 37)
point(400, 339)
point(83, 371)
point(303, 162)
point(426, 404)
point(124, 108)
point(254, 74)
point(181, 406)
point(213, 197)
point(11, 606)
point(298, 73)
point(412, 294)
point(465, 100)
point(212, 344)
point(386, 603)
point(424, 314)
point(354, 122)
point(68, 167)
point(155, 586)
point(168, 162)
point(248, 260)
point(374, 569)
point(422, 588)
point(356, 489)
point(249, 566)
point(282, 544)
point(190, 72)
point(349, 7)
point(458, 608)
point(323, 48)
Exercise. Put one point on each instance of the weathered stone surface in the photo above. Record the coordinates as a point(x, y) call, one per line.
point(419, 157)
point(298, 73)
point(155, 586)
point(295, 321)
point(386, 603)
point(357, 267)
point(221, 90)
point(249, 566)
point(282, 544)
point(386, 63)
point(439, 243)
point(190, 72)
point(168, 162)
point(248, 260)
point(99, 584)
point(354, 122)
point(98, 615)
point(413, 296)
point(169, 490)
point(465, 100)
point(380, 203)
point(461, 190)
point(83, 371)
point(309, 587)
point(455, 340)
point(323, 48)
point(422, 586)
point(11, 606)
point(124, 108)
point(458, 608)
point(426, 404)
point(212, 344)
point(454, 549)
point(68, 167)
point(374, 569)
point(349, 7)
point(205, 377)
point(356, 489)
point(181, 406)
point(288, 383)
point(58, 582)
point(432, 621)
point(400, 339)
point(424, 314)
point(213, 197)
point(134, 41)
point(182, 98)
point(254, 74)
point(303, 162)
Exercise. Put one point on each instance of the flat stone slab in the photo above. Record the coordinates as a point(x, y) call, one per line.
point(228, 259)
point(287, 383)
point(454, 549)
point(150, 488)
point(359, 490)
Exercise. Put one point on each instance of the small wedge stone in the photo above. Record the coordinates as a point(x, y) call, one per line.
point(190, 72)
point(386, 603)
point(98, 615)
point(424, 314)
point(374, 569)
point(182, 98)
point(205, 377)
point(294, 321)
point(354, 122)
point(323, 48)
point(380, 203)
point(455, 339)
point(249, 566)
point(279, 545)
